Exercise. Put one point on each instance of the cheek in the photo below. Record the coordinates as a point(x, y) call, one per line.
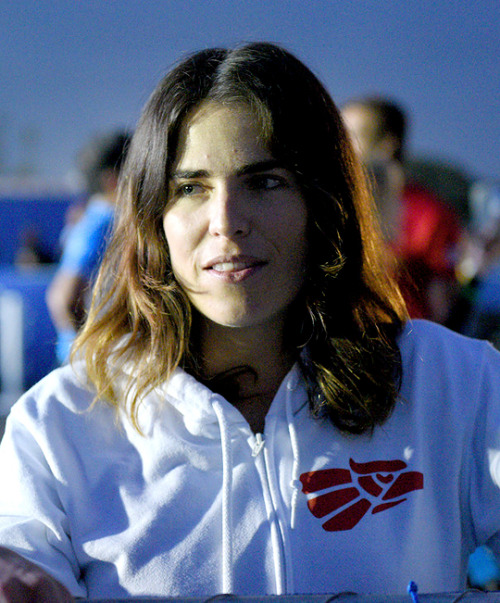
point(177, 241)
point(297, 254)
point(184, 234)
point(169, 230)
point(293, 231)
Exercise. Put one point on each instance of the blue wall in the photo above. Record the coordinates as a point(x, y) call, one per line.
point(46, 216)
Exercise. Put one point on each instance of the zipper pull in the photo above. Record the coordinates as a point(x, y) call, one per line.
point(259, 444)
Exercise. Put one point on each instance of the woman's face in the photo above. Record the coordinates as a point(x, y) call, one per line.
point(236, 221)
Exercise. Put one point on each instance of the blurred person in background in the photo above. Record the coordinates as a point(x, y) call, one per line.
point(85, 240)
point(424, 233)
point(32, 252)
point(480, 266)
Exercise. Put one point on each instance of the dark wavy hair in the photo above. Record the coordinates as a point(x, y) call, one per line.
point(349, 312)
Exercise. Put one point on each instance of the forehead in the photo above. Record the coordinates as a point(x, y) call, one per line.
point(221, 134)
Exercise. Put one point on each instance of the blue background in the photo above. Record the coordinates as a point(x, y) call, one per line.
point(69, 69)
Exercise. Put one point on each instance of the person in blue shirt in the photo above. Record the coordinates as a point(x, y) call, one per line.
point(85, 242)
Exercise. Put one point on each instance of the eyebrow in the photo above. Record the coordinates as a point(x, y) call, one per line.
point(251, 168)
point(259, 166)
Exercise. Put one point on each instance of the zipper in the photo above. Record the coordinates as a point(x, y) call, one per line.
point(260, 454)
point(258, 446)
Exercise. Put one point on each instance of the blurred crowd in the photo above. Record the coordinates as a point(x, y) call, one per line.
point(442, 229)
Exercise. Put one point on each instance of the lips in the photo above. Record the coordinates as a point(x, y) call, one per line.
point(233, 263)
point(234, 268)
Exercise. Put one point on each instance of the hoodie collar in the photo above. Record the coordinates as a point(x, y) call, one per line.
point(195, 402)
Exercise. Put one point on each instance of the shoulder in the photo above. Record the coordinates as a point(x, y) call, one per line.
point(61, 415)
point(430, 340)
point(425, 333)
point(98, 214)
point(86, 238)
point(96, 220)
point(64, 390)
point(99, 210)
point(450, 390)
point(436, 357)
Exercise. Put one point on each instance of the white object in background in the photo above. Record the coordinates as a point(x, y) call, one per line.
point(11, 348)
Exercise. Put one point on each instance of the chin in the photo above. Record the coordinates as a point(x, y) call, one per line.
point(227, 315)
point(243, 315)
point(233, 322)
point(244, 320)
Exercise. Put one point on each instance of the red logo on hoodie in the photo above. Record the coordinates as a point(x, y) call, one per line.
point(384, 481)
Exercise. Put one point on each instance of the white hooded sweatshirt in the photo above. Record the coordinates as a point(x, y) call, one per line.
point(199, 505)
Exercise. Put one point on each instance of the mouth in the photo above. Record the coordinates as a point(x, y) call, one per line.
point(235, 268)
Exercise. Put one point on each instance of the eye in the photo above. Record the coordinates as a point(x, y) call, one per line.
point(188, 189)
point(265, 182)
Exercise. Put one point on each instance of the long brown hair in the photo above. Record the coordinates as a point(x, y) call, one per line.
point(350, 310)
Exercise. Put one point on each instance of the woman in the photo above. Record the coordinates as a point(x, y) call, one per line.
point(248, 410)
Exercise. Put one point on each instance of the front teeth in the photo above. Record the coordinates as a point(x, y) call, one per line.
point(228, 266)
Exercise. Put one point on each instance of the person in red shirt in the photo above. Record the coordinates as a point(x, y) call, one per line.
point(423, 232)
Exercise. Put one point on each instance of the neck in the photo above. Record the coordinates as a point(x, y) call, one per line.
point(246, 366)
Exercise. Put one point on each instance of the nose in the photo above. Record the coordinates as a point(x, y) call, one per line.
point(229, 216)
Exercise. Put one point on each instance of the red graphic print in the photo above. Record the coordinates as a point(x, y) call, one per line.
point(347, 492)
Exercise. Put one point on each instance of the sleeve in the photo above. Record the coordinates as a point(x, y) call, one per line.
point(33, 521)
point(484, 488)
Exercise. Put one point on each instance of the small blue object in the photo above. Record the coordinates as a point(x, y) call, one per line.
point(483, 568)
point(412, 591)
